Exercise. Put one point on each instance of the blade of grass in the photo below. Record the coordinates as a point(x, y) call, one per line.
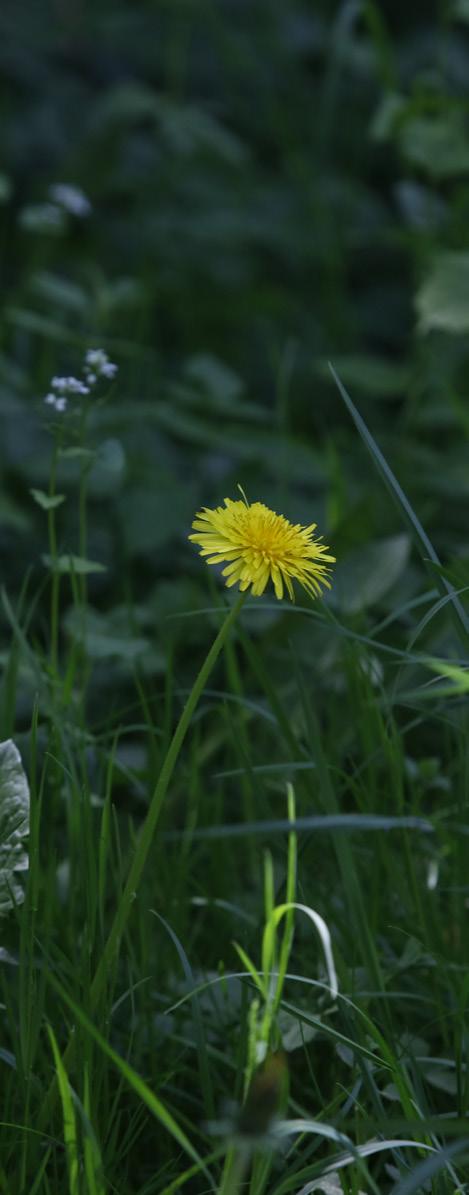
point(420, 537)
point(138, 1085)
point(147, 830)
point(68, 1111)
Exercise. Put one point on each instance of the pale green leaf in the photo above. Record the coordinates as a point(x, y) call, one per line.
point(443, 298)
point(438, 143)
point(77, 453)
point(14, 825)
point(75, 565)
point(47, 501)
point(380, 377)
point(369, 572)
point(105, 637)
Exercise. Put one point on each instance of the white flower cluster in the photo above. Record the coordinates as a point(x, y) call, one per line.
point(97, 365)
point(72, 199)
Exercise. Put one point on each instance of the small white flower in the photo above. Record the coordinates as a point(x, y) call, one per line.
point(72, 199)
point(69, 386)
point(98, 365)
point(95, 357)
point(109, 370)
point(59, 403)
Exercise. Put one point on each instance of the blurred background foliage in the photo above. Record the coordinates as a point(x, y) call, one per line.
point(260, 187)
point(265, 187)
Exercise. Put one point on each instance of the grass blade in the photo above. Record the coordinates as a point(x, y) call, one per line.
point(419, 535)
point(141, 1089)
point(68, 1112)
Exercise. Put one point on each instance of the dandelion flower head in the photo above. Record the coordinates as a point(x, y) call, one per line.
point(259, 546)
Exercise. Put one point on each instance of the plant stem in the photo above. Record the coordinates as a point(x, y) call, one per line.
point(55, 575)
point(82, 509)
point(147, 831)
point(234, 1171)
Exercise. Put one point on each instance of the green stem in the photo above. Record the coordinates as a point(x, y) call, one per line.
point(55, 575)
point(234, 1171)
point(82, 507)
point(83, 530)
point(147, 831)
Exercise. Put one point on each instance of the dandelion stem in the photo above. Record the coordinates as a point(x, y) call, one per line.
point(147, 831)
point(149, 826)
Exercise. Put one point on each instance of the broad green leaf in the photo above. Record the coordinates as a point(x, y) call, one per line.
point(107, 472)
point(368, 573)
point(40, 325)
point(390, 110)
point(220, 382)
point(14, 825)
point(77, 453)
point(461, 10)
point(105, 637)
point(378, 376)
point(47, 501)
point(73, 564)
point(276, 452)
point(443, 299)
point(59, 292)
point(143, 529)
point(438, 143)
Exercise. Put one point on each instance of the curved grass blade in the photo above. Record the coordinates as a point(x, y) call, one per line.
point(420, 537)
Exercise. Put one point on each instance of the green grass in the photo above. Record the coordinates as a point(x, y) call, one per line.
point(241, 961)
point(165, 1029)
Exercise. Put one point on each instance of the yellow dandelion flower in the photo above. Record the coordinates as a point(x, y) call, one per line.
point(261, 546)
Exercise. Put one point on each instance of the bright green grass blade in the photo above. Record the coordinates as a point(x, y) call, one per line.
point(68, 1112)
point(138, 1085)
point(323, 933)
point(250, 968)
point(93, 1160)
point(290, 893)
point(424, 545)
